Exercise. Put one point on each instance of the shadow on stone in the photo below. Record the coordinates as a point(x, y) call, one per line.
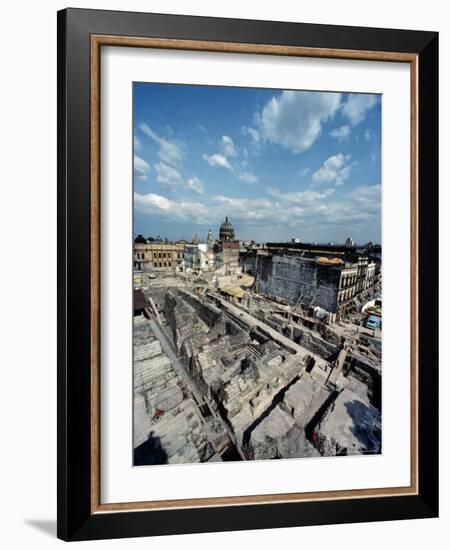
point(366, 426)
point(150, 452)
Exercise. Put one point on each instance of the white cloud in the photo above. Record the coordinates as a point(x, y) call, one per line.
point(367, 135)
point(141, 168)
point(248, 177)
point(255, 210)
point(248, 209)
point(294, 119)
point(318, 211)
point(356, 107)
point(305, 212)
point(195, 184)
point(218, 161)
point(342, 133)
point(252, 132)
point(227, 150)
point(358, 209)
point(168, 177)
point(305, 171)
point(137, 143)
point(335, 169)
point(150, 200)
point(171, 210)
point(367, 197)
point(373, 155)
point(227, 147)
point(145, 128)
point(169, 151)
point(304, 198)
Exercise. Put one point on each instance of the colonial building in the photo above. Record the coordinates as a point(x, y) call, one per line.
point(157, 256)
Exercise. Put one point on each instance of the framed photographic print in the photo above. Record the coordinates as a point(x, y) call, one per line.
point(247, 274)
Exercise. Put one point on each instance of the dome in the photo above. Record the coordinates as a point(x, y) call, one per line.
point(140, 240)
point(226, 232)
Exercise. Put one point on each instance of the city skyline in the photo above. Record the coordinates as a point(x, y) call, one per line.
point(280, 164)
point(203, 239)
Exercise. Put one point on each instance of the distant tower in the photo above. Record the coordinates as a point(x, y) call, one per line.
point(210, 238)
point(226, 232)
point(350, 242)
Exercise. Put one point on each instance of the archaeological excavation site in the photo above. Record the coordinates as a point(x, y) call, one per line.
point(246, 351)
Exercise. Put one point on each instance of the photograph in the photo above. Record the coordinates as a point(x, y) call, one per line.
point(236, 332)
point(256, 273)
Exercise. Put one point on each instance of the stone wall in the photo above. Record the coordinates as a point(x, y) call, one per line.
point(288, 277)
point(248, 262)
point(314, 343)
point(208, 313)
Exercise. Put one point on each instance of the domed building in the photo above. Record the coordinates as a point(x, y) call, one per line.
point(226, 232)
point(227, 248)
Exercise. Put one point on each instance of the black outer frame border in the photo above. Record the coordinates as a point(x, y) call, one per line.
point(75, 521)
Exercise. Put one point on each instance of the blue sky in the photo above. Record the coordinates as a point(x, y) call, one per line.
point(280, 164)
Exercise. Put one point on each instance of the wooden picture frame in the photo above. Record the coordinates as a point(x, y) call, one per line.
point(81, 35)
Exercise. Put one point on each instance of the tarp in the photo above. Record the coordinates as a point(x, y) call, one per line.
point(235, 291)
point(246, 280)
point(322, 260)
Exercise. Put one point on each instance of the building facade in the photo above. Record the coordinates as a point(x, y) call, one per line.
point(311, 277)
point(230, 253)
point(158, 256)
